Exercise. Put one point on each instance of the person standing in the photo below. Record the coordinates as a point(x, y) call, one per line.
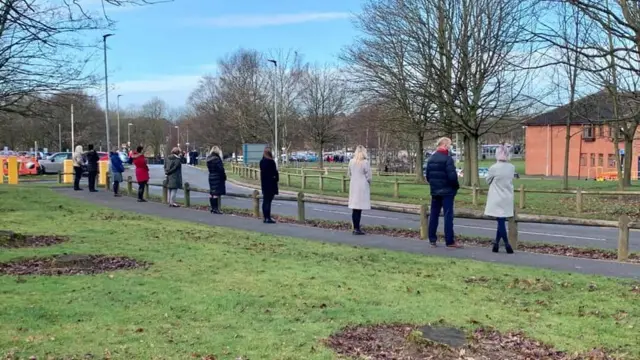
point(78, 162)
point(117, 168)
point(92, 167)
point(269, 179)
point(442, 177)
point(359, 187)
point(173, 171)
point(500, 196)
point(142, 171)
point(217, 179)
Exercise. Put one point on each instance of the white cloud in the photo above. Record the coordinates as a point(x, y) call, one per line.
point(244, 21)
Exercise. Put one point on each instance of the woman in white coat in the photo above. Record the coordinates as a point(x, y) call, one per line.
point(359, 187)
point(500, 197)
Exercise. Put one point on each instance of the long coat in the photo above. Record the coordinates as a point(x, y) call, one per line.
point(92, 161)
point(142, 169)
point(217, 175)
point(500, 196)
point(360, 185)
point(173, 170)
point(269, 177)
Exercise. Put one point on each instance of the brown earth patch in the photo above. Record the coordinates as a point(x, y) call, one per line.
point(9, 239)
point(406, 342)
point(69, 265)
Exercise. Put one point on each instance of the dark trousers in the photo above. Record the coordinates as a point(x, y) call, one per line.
point(141, 186)
point(501, 233)
point(116, 187)
point(77, 176)
point(266, 205)
point(356, 216)
point(446, 204)
point(92, 180)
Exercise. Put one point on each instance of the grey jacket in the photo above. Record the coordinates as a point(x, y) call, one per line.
point(173, 170)
point(500, 197)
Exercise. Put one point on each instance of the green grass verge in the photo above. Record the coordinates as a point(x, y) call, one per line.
point(234, 293)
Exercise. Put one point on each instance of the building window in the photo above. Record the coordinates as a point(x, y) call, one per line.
point(611, 160)
point(588, 132)
point(583, 159)
point(601, 131)
point(593, 159)
point(600, 160)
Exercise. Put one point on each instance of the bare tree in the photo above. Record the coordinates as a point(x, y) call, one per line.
point(324, 102)
point(157, 129)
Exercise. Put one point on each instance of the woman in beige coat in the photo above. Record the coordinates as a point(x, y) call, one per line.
point(500, 197)
point(359, 187)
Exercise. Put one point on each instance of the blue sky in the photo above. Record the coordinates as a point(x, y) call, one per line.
point(163, 49)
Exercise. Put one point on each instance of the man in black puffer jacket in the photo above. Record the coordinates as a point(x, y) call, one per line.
point(443, 179)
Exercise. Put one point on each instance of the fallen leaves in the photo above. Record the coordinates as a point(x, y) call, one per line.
point(52, 266)
point(382, 342)
point(9, 239)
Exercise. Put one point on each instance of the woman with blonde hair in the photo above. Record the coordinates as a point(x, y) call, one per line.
point(500, 196)
point(359, 187)
point(173, 171)
point(217, 178)
point(78, 161)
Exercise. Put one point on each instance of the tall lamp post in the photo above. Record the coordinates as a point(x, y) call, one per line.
point(106, 89)
point(118, 117)
point(178, 130)
point(275, 109)
point(129, 125)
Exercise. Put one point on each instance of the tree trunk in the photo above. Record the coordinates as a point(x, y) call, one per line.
point(420, 158)
point(567, 143)
point(628, 160)
point(473, 160)
point(320, 157)
point(466, 169)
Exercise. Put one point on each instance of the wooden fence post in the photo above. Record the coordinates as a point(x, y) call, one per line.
point(303, 181)
point(396, 189)
point(512, 232)
point(256, 203)
point(343, 184)
point(321, 183)
point(579, 200)
point(474, 195)
point(59, 177)
point(288, 177)
point(107, 185)
point(623, 237)
point(187, 195)
point(129, 185)
point(146, 191)
point(424, 221)
point(522, 196)
point(301, 217)
point(164, 192)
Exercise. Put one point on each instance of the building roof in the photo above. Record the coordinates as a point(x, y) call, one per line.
point(596, 108)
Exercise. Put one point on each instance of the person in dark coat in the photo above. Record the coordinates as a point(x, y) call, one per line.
point(92, 167)
point(117, 168)
point(443, 180)
point(173, 171)
point(217, 179)
point(269, 179)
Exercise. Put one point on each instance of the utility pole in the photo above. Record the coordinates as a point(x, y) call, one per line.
point(118, 117)
point(106, 89)
point(275, 110)
point(73, 144)
point(60, 137)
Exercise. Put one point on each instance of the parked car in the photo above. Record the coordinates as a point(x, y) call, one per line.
point(55, 163)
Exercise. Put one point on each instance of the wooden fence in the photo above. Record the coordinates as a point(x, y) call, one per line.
point(253, 173)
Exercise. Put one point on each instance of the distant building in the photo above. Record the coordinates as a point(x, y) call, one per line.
point(591, 150)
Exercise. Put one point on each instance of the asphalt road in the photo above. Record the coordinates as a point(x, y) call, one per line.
point(584, 236)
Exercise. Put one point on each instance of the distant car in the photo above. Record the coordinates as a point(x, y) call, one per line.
point(55, 163)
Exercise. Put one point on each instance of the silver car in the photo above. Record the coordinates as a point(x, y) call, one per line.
point(55, 163)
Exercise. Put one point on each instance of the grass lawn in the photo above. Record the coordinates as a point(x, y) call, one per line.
point(382, 189)
point(245, 295)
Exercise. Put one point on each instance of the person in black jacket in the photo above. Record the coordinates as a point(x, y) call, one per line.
point(443, 180)
point(217, 178)
point(269, 179)
point(92, 167)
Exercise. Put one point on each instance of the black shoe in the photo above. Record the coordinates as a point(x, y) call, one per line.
point(216, 211)
point(117, 195)
point(93, 190)
point(142, 200)
point(269, 221)
point(358, 232)
point(496, 248)
point(509, 249)
point(433, 244)
point(77, 189)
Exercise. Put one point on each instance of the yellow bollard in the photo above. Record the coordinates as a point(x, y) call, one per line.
point(12, 162)
point(2, 162)
point(103, 167)
point(67, 169)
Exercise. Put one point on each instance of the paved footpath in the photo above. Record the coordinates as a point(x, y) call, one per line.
point(561, 263)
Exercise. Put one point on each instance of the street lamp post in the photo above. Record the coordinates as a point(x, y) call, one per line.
point(178, 130)
point(275, 110)
point(129, 125)
point(106, 89)
point(118, 118)
point(60, 137)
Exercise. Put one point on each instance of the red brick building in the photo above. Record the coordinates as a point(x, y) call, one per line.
point(591, 150)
